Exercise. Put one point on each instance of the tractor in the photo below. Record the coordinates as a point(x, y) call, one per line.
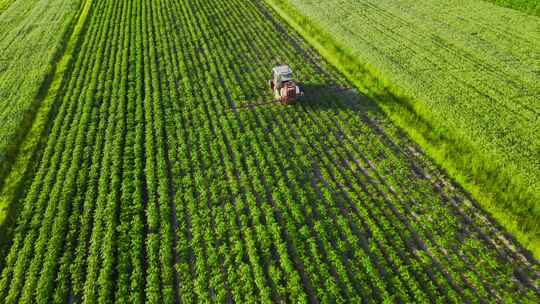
point(286, 91)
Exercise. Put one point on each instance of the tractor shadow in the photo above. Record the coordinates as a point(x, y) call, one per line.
point(325, 97)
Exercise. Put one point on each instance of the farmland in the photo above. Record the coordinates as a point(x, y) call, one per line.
point(31, 39)
point(465, 82)
point(528, 6)
point(4, 4)
point(158, 182)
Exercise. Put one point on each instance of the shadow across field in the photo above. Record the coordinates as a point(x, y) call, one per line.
point(334, 96)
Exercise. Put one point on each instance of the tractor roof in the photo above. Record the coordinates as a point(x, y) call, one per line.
point(282, 69)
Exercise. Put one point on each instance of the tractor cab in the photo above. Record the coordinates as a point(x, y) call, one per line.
point(281, 74)
point(285, 89)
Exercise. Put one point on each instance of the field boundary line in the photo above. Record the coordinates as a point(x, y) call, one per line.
point(449, 149)
point(33, 139)
point(529, 8)
point(4, 5)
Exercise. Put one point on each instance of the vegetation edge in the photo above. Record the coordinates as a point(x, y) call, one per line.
point(525, 6)
point(4, 5)
point(30, 144)
point(491, 186)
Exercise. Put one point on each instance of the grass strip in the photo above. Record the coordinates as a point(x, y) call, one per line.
point(4, 4)
point(531, 7)
point(31, 144)
point(507, 199)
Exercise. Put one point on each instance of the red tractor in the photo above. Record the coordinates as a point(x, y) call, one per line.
point(285, 89)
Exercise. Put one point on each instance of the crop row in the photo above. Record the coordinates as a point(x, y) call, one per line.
point(528, 6)
point(155, 187)
point(4, 4)
point(32, 39)
point(462, 82)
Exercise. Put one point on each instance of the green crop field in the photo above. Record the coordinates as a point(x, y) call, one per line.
point(528, 6)
point(4, 4)
point(465, 80)
point(32, 35)
point(153, 172)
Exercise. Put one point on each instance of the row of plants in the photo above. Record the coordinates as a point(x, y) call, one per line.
point(32, 39)
point(155, 187)
point(4, 4)
point(528, 6)
point(408, 71)
point(54, 188)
